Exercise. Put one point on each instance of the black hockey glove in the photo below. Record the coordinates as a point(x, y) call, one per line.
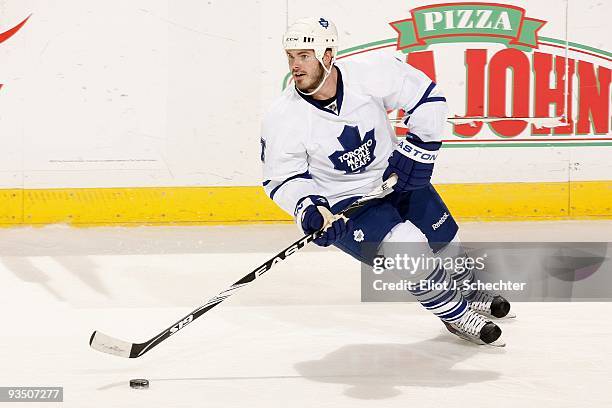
point(313, 213)
point(413, 162)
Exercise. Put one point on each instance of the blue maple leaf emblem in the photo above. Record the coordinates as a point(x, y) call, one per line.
point(357, 153)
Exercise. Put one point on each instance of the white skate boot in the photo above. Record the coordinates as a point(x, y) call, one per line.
point(475, 328)
point(491, 305)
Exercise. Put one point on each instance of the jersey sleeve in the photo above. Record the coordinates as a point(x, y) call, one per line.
point(285, 163)
point(427, 119)
point(402, 86)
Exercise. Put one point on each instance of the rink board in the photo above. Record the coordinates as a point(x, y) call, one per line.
point(220, 205)
point(136, 126)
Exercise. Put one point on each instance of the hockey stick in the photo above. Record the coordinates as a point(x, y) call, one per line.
point(110, 345)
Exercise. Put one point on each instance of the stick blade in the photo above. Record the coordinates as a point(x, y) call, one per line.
point(110, 345)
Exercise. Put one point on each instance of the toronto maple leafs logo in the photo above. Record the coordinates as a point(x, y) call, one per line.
point(357, 153)
point(358, 235)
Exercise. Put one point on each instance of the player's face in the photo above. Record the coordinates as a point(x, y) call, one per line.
point(305, 69)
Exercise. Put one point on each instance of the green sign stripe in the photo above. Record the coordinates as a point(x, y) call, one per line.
point(529, 144)
point(286, 79)
point(393, 40)
point(576, 45)
point(352, 49)
point(368, 45)
point(545, 39)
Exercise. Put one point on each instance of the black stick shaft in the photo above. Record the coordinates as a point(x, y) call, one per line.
point(138, 349)
point(141, 348)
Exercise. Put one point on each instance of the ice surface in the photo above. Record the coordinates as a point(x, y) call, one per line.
point(298, 337)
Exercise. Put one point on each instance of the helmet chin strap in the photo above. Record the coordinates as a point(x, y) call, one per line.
point(327, 74)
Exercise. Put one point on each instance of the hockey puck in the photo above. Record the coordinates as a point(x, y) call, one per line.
point(139, 383)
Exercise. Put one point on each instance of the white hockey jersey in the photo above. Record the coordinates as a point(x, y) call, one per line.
point(342, 151)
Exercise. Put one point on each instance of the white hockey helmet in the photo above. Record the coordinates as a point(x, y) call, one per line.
point(312, 33)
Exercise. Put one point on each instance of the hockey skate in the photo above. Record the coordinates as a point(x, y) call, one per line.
point(491, 305)
point(475, 328)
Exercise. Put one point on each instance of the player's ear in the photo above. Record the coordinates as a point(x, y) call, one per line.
point(327, 57)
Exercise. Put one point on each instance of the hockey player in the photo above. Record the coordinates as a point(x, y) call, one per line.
point(327, 141)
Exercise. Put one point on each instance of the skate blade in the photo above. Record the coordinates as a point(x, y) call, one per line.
point(510, 315)
point(497, 343)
